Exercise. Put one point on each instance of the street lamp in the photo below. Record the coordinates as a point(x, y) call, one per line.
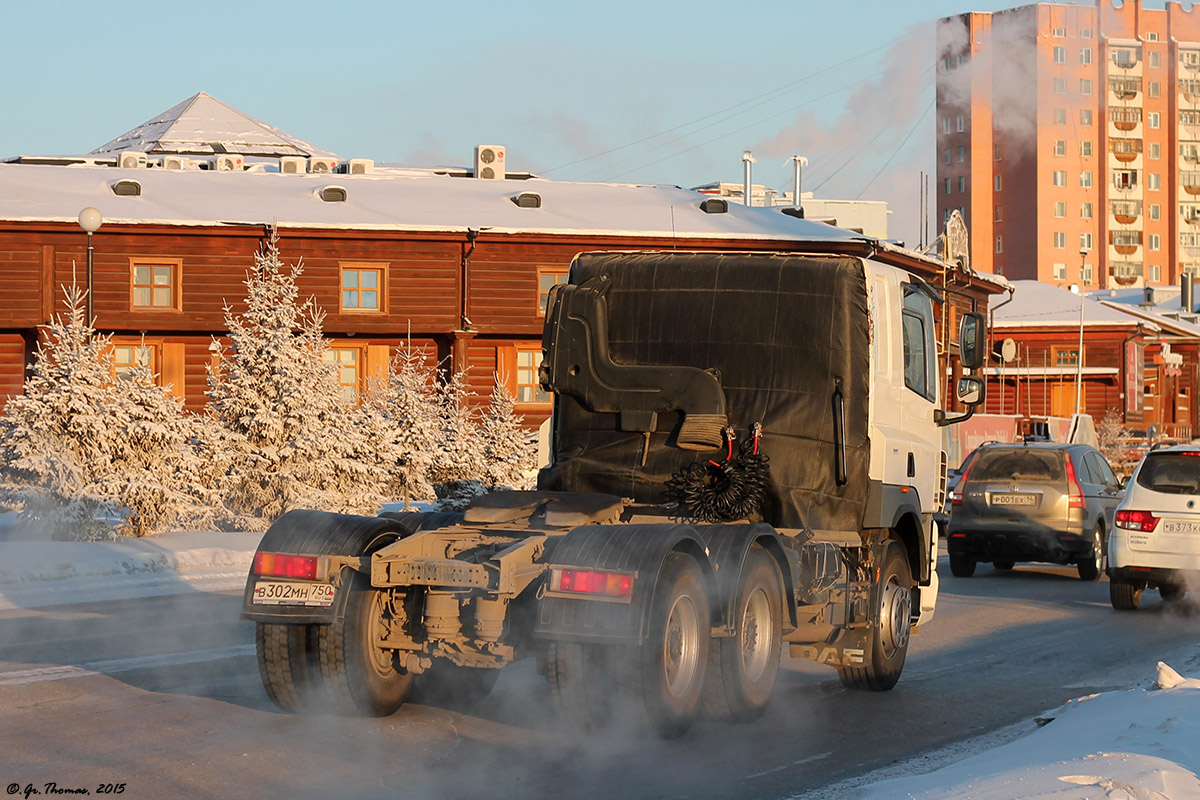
point(1077, 288)
point(90, 220)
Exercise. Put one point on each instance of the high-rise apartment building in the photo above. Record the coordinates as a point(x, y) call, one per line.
point(1069, 137)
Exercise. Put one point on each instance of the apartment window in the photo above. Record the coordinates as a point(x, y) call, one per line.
point(1060, 272)
point(946, 125)
point(962, 58)
point(1085, 55)
point(947, 181)
point(348, 360)
point(1154, 242)
point(362, 288)
point(1060, 85)
point(1152, 89)
point(1152, 119)
point(1060, 209)
point(997, 183)
point(946, 155)
point(126, 357)
point(962, 153)
point(1060, 116)
point(1154, 181)
point(1060, 177)
point(1085, 210)
point(996, 152)
point(1060, 54)
point(999, 215)
point(1085, 85)
point(1155, 150)
point(1154, 57)
point(1085, 33)
point(1155, 273)
point(528, 387)
point(1125, 178)
point(1189, 117)
point(1085, 116)
point(999, 244)
point(962, 183)
point(1087, 273)
point(548, 278)
point(155, 284)
point(1152, 36)
point(1060, 240)
point(1155, 211)
point(1085, 149)
point(947, 63)
point(1060, 147)
point(1059, 33)
point(1085, 178)
point(958, 121)
point(1085, 241)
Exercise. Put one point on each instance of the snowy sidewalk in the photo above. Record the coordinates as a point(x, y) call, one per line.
point(35, 574)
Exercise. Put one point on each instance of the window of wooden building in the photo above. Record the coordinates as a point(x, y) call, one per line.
point(127, 357)
point(165, 359)
point(1066, 356)
point(363, 288)
point(517, 368)
point(349, 361)
point(548, 278)
point(154, 284)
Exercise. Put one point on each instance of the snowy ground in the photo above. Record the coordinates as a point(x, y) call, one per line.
point(1139, 744)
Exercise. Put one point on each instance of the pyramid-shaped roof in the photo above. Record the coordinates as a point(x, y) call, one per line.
point(203, 125)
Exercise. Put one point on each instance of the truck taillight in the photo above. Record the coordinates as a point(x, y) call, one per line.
point(1136, 520)
point(1075, 491)
point(591, 582)
point(283, 565)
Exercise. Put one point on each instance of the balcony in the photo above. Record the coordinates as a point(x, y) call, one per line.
point(1126, 212)
point(1125, 150)
point(1126, 273)
point(1125, 119)
point(1125, 180)
point(1126, 243)
point(1189, 60)
point(1124, 87)
point(1190, 181)
point(1190, 89)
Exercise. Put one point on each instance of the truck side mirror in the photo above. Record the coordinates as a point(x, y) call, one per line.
point(970, 390)
point(970, 340)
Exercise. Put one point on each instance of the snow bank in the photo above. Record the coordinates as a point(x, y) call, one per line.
point(1139, 744)
point(34, 574)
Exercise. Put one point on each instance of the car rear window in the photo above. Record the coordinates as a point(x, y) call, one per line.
point(1170, 473)
point(1029, 465)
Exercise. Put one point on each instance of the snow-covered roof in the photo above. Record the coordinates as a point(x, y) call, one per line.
point(1036, 304)
point(1160, 305)
point(203, 125)
point(406, 199)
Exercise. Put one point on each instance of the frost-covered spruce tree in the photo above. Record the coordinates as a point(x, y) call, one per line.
point(407, 422)
point(509, 451)
point(286, 438)
point(82, 444)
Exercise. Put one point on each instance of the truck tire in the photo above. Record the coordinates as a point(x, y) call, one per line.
point(1091, 565)
point(1171, 592)
point(961, 565)
point(581, 683)
point(1125, 595)
point(361, 677)
point(453, 686)
point(742, 668)
point(890, 633)
point(286, 664)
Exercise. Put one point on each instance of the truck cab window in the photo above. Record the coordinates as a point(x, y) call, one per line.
point(917, 323)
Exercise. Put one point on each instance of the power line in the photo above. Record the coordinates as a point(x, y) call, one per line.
point(899, 147)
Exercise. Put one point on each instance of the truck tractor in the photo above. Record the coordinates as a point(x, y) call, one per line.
point(745, 454)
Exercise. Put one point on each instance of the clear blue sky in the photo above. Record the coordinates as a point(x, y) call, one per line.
point(658, 91)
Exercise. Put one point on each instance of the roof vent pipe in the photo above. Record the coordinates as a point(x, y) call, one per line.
point(747, 160)
point(800, 162)
point(1187, 293)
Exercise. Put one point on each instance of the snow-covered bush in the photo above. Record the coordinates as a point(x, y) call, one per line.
point(285, 436)
point(1112, 440)
point(82, 444)
point(509, 451)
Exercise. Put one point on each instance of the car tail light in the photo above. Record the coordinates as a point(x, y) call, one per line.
point(1076, 492)
point(590, 581)
point(282, 565)
point(956, 494)
point(1136, 520)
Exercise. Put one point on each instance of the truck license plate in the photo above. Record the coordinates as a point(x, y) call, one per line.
point(282, 593)
point(1014, 500)
point(1181, 527)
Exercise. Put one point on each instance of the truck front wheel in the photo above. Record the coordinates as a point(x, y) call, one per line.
point(361, 674)
point(742, 668)
point(890, 631)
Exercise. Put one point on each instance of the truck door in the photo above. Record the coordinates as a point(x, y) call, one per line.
point(920, 395)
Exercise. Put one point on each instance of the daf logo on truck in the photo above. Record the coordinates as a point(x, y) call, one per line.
point(746, 455)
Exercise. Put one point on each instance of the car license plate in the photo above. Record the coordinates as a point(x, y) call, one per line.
point(1181, 527)
point(282, 593)
point(1014, 500)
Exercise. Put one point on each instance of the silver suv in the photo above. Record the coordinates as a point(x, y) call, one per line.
point(1156, 540)
point(1033, 502)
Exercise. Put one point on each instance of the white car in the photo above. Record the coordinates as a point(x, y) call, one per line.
point(1156, 539)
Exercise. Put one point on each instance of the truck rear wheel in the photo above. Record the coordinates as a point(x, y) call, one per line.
point(890, 633)
point(285, 663)
point(361, 675)
point(582, 683)
point(742, 668)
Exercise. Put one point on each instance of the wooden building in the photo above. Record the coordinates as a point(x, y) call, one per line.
point(457, 263)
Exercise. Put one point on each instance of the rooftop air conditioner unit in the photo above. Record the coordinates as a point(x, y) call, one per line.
point(131, 160)
point(293, 165)
point(489, 161)
point(176, 162)
point(359, 166)
point(322, 164)
point(227, 162)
